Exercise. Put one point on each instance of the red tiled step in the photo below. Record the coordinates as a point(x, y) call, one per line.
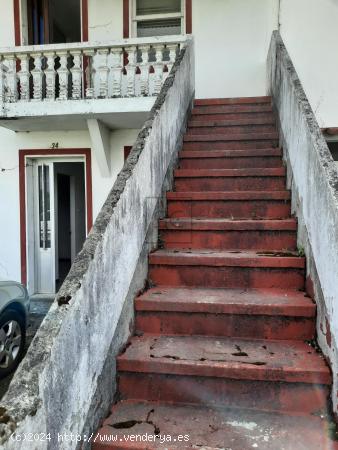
point(226, 259)
point(223, 128)
point(201, 122)
point(266, 179)
point(229, 234)
point(235, 205)
point(256, 302)
point(250, 144)
point(231, 116)
point(232, 108)
point(232, 101)
point(264, 395)
point(272, 136)
point(275, 376)
point(260, 314)
point(247, 195)
point(234, 358)
point(230, 159)
point(209, 429)
point(247, 172)
point(228, 225)
point(200, 268)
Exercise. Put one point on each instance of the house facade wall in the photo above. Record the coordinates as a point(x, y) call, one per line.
point(232, 40)
point(231, 44)
point(10, 143)
point(309, 30)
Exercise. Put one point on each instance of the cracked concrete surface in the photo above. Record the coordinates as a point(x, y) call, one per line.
point(65, 382)
point(313, 179)
point(216, 428)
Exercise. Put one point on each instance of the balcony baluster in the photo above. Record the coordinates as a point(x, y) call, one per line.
point(37, 75)
point(63, 73)
point(3, 70)
point(131, 71)
point(24, 77)
point(103, 72)
point(76, 72)
point(158, 68)
point(11, 81)
point(144, 68)
point(89, 73)
point(116, 70)
point(172, 57)
point(50, 75)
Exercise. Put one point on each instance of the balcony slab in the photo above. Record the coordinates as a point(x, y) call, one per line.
point(115, 113)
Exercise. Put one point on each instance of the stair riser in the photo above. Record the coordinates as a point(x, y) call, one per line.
point(230, 145)
point(232, 116)
point(195, 184)
point(229, 240)
point(226, 277)
point(235, 129)
point(264, 395)
point(231, 163)
point(236, 209)
point(215, 109)
point(266, 100)
point(226, 325)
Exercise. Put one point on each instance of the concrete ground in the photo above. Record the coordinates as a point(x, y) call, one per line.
point(39, 308)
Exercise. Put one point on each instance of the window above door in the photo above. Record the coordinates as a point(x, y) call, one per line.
point(157, 18)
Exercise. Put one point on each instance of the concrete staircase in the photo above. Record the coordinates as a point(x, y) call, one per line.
point(223, 356)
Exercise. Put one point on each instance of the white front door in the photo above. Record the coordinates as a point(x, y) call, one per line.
point(45, 226)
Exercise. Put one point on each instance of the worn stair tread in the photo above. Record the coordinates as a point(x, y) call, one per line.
point(256, 136)
point(232, 108)
point(232, 100)
point(205, 257)
point(200, 123)
point(210, 428)
point(228, 224)
point(268, 302)
point(247, 172)
point(255, 152)
point(236, 358)
point(209, 117)
point(229, 195)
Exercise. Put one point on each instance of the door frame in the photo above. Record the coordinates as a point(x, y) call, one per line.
point(25, 154)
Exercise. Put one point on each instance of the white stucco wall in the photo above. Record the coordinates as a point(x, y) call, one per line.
point(232, 38)
point(10, 143)
point(105, 19)
point(310, 32)
point(231, 41)
point(6, 23)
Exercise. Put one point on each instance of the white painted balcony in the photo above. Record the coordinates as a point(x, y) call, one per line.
point(70, 83)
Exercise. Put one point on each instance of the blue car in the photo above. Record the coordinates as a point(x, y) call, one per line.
point(14, 309)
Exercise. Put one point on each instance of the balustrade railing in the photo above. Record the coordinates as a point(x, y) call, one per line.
point(128, 68)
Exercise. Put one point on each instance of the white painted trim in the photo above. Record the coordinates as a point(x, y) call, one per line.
point(72, 216)
point(30, 225)
point(32, 231)
point(100, 137)
point(23, 22)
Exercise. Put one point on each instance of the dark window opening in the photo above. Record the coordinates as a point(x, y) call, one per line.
point(333, 147)
point(53, 21)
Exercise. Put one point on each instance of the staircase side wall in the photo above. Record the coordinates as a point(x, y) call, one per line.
point(313, 179)
point(65, 383)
